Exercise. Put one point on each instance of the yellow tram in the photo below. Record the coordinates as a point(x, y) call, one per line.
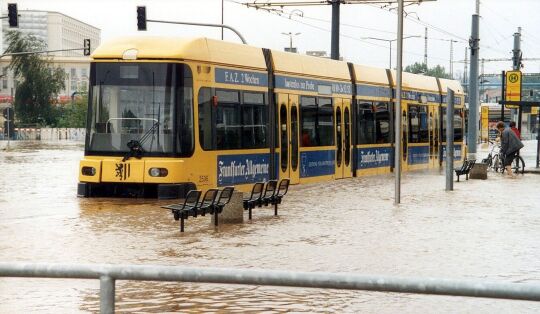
point(167, 115)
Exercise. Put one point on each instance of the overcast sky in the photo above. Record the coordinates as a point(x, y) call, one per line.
point(445, 19)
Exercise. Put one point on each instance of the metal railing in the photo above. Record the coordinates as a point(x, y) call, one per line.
point(108, 274)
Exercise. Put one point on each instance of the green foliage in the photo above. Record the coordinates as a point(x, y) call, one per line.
point(421, 68)
point(39, 83)
point(72, 115)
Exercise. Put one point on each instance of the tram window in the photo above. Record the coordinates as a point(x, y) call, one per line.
point(205, 118)
point(366, 123)
point(186, 142)
point(458, 125)
point(226, 96)
point(423, 128)
point(228, 120)
point(254, 120)
point(382, 123)
point(317, 121)
point(228, 126)
point(414, 125)
point(443, 118)
point(325, 122)
point(308, 119)
point(254, 98)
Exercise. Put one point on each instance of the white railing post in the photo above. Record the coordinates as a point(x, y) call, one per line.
point(106, 295)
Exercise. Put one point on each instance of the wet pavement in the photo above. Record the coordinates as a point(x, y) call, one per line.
point(486, 230)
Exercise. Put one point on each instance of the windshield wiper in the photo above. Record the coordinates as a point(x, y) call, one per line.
point(136, 146)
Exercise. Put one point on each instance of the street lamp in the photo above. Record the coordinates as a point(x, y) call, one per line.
point(290, 39)
point(390, 42)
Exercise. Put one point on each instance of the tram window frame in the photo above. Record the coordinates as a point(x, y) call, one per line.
point(185, 120)
point(308, 108)
point(228, 120)
point(414, 128)
point(205, 118)
point(458, 136)
point(458, 132)
point(423, 125)
point(240, 107)
point(319, 112)
point(382, 117)
point(366, 123)
point(257, 111)
point(325, 132)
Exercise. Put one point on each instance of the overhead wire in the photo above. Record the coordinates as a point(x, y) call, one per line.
point(425, 24)
point(281, 13)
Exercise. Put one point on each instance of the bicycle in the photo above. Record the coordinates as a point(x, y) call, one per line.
point(517, 165)
point(494, 160)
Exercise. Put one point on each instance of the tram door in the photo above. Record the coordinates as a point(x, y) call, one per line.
point(404, 136)
point(289, 137)
point(343, 137)
point(433, 114)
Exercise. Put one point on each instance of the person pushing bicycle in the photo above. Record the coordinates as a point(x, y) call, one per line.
point(510, 145)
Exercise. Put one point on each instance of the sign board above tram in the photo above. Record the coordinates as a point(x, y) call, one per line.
point(513, 87)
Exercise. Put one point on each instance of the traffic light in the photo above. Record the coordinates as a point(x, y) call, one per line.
point(87, 47)
point(9, 130)
point(12, 15)
point(141, 18)
point(8, 113)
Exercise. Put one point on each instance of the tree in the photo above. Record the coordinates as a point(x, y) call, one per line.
point(421, 68)
point(39, 82)
point(73, 115)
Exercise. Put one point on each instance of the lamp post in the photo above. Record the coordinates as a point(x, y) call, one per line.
point(290, 39)
point(389, 41)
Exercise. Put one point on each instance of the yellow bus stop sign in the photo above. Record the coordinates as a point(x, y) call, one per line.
point(513, 87)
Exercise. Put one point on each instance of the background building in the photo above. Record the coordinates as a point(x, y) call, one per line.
point(58, 31)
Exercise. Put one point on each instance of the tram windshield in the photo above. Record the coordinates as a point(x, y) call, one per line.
point(145, 103)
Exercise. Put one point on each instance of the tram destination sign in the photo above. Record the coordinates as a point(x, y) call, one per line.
point(238, 77)
point(309, 85)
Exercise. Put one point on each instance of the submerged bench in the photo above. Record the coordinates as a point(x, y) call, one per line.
point(465, 169)
point(193, 206)
point(264, 195)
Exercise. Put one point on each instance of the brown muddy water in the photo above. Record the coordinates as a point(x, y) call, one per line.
point(485, 230)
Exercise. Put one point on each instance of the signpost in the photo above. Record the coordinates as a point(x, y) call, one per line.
point(513, 88)
point(449, 140)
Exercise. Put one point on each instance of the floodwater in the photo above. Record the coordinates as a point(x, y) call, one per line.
point(485, 230)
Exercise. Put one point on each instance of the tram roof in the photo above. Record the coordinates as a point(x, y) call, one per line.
point(367, 74)
point(413, 81)
point(294, 63)
point(452, 84)
point(196, 49)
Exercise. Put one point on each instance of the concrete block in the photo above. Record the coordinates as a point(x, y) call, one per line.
point(479, 171)
point(234, 211)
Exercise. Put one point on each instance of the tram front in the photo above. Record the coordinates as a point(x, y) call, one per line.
point(139, 129)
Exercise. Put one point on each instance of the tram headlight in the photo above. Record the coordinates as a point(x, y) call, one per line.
point(88, 171)
point(158, 172)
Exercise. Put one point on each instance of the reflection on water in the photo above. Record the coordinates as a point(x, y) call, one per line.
point(342, 226)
